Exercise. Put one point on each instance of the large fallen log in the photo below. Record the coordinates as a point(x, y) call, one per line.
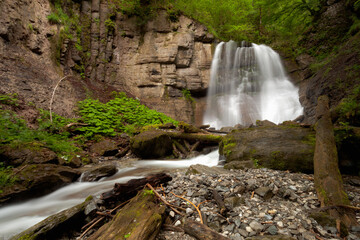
point(52, 227)
point(124, 191)
point(327, 177)
point(139, 219)
point(201, 231)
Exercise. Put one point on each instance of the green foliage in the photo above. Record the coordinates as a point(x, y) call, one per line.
point(349, 108)
point(143, 9)
point(6, 178)
point(187, 95)
point(13, 131)
point(121, 114)
point(53, 18)
point(110, 24)
point(9, 99)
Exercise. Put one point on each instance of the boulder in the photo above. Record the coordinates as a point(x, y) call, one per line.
point(277, 147)
point(27, 155)
point(36, 180)
point(151, 144)
point(239, 165)
point(202, 169)
point(104, 148)
point(98, 172)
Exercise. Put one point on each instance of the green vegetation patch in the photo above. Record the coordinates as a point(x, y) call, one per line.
point(121, 114)
point(349, 108)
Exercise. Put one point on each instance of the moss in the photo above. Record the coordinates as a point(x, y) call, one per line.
point(277, 160)
point(27, 237)
point(89, 198)
point(310, 139)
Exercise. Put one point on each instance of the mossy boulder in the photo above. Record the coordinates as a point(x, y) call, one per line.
point(31, 154)
point(277, 147)
point(36, 180)
point(151, 144)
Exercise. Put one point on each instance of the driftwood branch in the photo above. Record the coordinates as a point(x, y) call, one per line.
point(197, 209)
point(163, 200)
point(201, 232)
point(125, 191)
point(219, 201)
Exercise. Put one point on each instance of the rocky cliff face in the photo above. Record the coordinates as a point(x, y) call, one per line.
point(102, 50)
point(337, 74)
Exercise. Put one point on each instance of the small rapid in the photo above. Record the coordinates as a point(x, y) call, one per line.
point(18, 217)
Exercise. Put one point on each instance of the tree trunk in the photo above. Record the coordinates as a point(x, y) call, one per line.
point(125, 191)
point(328, 181)
point(139, 219)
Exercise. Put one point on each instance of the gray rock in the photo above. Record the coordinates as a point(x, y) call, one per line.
point(96, 173)
point(264, 192)
point(272, 230)
point(243, 232)
point(256, 226)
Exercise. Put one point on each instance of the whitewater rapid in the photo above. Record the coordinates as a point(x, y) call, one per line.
point(16, 218)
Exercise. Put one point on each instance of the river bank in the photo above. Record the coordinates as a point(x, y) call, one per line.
point(259, 202)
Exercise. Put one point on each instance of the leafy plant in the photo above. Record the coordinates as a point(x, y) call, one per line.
point(13, 131)
point(187, 95)
point(121, 114)
point(110, 24)
point(9, 99)
point(349, 108)
point(6, 177)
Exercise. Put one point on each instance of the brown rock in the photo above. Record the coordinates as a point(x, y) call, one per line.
point(105, 148)
point(36, 180)
point(27, 155)
point(98, 172)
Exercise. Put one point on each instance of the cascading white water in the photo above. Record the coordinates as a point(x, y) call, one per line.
point(249, 83)
point(18, 217)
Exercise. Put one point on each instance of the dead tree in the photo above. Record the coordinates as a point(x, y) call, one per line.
point(328, 181)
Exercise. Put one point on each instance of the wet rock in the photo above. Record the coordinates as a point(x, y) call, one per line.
point(36, 180)
point(98, 172)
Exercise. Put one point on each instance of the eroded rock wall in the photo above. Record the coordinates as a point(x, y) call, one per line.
point(109, 51)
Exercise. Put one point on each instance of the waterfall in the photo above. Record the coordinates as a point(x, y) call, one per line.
point(249, 83)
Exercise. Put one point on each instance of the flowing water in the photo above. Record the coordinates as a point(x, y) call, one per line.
point(16, 218)
point(249, 83)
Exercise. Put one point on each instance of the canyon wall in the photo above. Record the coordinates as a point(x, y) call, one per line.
point(101, 50)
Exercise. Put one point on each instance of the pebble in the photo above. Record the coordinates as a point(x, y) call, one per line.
point(286, 212)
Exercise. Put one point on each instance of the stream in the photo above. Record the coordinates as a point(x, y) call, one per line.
point(18, 217)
